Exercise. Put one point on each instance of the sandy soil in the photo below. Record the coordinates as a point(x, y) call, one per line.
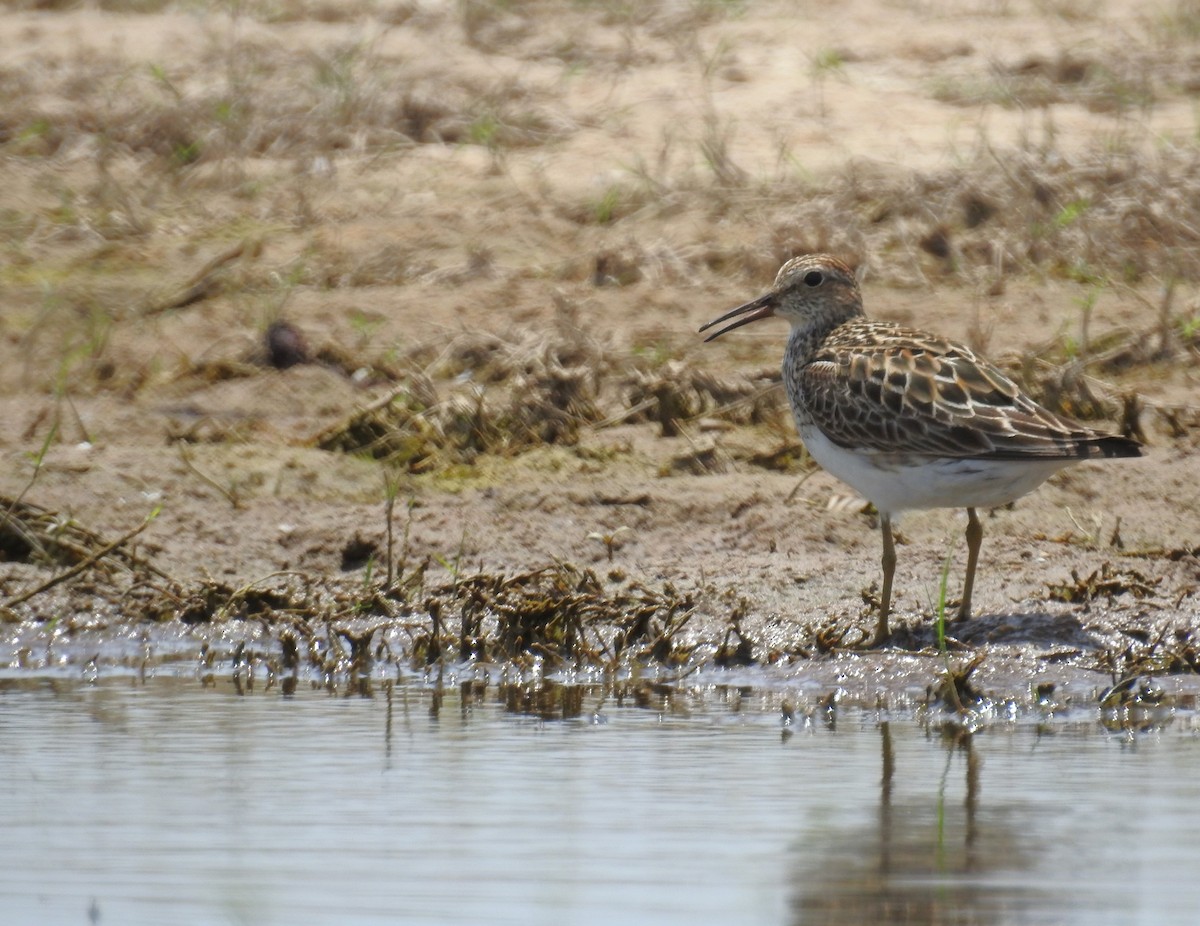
point(447, 200)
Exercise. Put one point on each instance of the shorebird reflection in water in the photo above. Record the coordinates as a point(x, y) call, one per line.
point(906, 418)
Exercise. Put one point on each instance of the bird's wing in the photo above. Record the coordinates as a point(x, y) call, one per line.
point(892, 390)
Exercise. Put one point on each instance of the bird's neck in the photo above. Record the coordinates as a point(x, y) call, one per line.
point(808, 333)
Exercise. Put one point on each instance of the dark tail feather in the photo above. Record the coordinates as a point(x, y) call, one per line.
point(1110, 445)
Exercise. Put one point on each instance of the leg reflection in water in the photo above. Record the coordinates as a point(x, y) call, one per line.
point(924, 857)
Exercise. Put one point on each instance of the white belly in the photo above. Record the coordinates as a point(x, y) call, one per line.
point(894, 483)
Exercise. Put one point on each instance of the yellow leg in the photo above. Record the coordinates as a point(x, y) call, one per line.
point(974, 540)
point(889, 571)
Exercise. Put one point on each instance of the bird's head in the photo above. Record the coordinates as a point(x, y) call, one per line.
point(810, 289)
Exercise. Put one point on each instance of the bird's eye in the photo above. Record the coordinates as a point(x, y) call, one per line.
point(813, 278)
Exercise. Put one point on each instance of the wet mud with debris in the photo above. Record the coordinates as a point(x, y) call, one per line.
point(301, 373)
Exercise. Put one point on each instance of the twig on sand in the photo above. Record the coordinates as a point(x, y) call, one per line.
point(81, 565)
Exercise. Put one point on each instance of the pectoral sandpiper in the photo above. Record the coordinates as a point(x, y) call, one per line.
point(906, 418)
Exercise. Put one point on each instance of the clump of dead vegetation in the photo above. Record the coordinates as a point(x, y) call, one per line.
point(1106, 582)
point(32, 534)
point(1112, 82)
point(560, 614)
point(1135, 701)
point(258, 99)
point(1120, 216)
point(1172, 650)
point(504, 396)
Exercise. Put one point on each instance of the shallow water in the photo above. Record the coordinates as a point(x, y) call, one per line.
point(168, 800)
